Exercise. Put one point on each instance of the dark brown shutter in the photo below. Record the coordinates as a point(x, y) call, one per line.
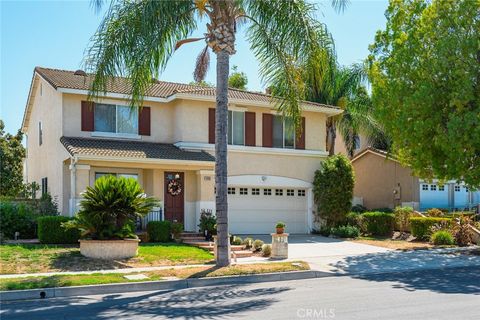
point(144, 121)
point(300, 143)
point(88, 110)
point(250, 129)
point(267, 130)
point(211, 125)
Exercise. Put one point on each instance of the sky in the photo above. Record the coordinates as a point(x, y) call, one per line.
point(55, 34)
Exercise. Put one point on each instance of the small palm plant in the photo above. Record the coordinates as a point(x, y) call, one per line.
point(109, 209)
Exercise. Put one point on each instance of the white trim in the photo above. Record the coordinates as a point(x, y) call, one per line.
point(205, 172)
point(116, 95)
point(116, 135)
point(258, 150)
point(146, 160)
point(267, 181)
point(362, 153)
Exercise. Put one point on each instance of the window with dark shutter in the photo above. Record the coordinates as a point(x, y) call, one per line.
point(88, 116)
point(250, 129)
point(267, 130)
point(144, 121)
point(211, 125)
point(44, 186)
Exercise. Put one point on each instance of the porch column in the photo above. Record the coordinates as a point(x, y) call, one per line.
point(205, 192)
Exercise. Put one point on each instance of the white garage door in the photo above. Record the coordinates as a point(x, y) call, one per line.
point(255, 210)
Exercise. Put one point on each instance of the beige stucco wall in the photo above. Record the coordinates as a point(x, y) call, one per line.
point(377, 177)
point(46, 160)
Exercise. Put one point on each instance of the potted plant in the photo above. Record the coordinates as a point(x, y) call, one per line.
point(107, 218)
point(280, 226)
point(177, 229)
point(208, 224)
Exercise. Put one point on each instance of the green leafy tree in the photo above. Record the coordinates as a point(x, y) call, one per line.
point(202, 83)
point(110, 208)
point(237, 79)
point(12, 154)
point(137, 38)
point(425, 74)
point(333, 189)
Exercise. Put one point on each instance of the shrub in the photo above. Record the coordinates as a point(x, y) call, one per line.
point(50, 230)
point(208, 222)
point(110, 207)
point(257, 245)
point(17, 217)
point(247, 242)
point(333, 189)
point(353, 219)
point(176, 230)
point(346, 232)
point(434, 212)
point(442, 237)
point(237, 241)
point(159, 231)
point(462, 231)
point(379, 223)
point(421, 226)
point(402, 216)
point(460, 214)
point(324, 231)
point(384, 210)
point(266, 250)
point(358, 208)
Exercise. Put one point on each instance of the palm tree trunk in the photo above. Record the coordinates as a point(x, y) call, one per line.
point(221, 123)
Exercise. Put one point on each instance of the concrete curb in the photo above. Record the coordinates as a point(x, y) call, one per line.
point(157, 285)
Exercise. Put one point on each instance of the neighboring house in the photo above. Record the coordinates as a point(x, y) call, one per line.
point(381, 181)
point(361, 142)
point(170, 142)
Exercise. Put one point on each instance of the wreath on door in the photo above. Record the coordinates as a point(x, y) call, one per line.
point(174, 187)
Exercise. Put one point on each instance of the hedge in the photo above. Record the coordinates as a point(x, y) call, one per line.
point(50, 230)
point(159, 231)
point(379, 223)
point(17, 217)
point(421, 226)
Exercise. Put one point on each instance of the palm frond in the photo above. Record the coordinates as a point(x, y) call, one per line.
point(340, 5)
point(202, 65)
point(136, 40)
point(282, 35)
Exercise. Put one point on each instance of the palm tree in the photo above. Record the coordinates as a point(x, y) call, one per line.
point(137, 38)
point(345, 87)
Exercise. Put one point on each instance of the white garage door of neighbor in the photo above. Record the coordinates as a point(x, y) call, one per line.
point(257, 210)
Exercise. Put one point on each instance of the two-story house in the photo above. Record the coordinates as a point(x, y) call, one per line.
point(168, 146)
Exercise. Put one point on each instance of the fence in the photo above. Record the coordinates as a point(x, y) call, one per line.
point(154, 215)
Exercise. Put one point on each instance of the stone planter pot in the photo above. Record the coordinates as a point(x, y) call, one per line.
point(280, 230)
point(109, 249)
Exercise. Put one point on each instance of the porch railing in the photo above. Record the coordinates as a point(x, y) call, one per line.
point(154, 215)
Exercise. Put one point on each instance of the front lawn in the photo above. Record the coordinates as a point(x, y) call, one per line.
point(183, 273)
point(389, 243)
point(33, 258)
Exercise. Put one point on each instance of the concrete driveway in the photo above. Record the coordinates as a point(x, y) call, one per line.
point(342, 257)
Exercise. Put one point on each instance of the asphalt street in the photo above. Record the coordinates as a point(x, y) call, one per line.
point(428, 294)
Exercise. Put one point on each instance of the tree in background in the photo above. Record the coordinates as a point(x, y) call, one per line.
point(237, 79)
point(333, 189)
point(202, 83)
point(425, 74)
point(137, 38)
point(12, 154)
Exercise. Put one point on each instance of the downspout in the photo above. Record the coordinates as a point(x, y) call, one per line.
point(73, 185)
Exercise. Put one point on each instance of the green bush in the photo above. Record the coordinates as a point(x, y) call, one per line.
point(346, 231)
point(208, 222)
point(236, 241)
point(434, 212)
point(358, 208)
point(247, 242)
point(333, 189)
point(159, 231)
point(17, 217)
point(421, 226)
point(442, 237)
point(176, 230)
point(352, 219)
point(460, 214)
point(110, 208)
point(402, 216)
point(384, 210)
point(266, 250)
point(379, 223)
point(51, 231)
point(257, 245)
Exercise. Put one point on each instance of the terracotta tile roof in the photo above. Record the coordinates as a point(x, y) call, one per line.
point(161, 89)
point(130, 149)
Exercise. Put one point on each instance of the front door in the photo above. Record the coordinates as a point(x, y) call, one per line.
point(174, 196)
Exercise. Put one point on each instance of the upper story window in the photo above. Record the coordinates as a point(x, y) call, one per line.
point(40, 133)
point(116, 119)
point(283, 133)
point(236, 128)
